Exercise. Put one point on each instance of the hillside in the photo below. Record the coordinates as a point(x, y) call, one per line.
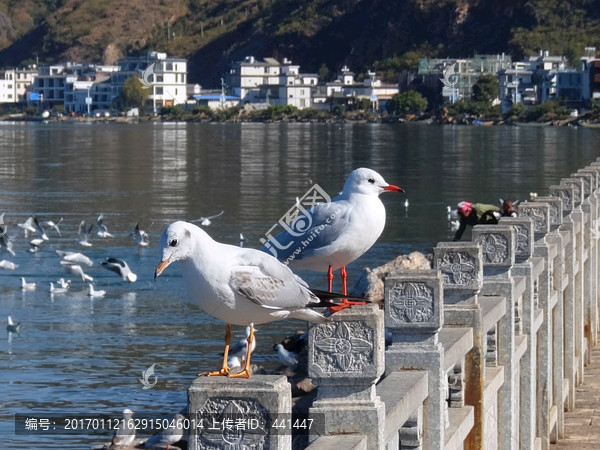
point(319, 35)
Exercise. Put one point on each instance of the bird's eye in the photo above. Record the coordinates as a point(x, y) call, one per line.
point(371, 180)
point(173, 242)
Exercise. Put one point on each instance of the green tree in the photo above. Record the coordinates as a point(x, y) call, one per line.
point(133, 94)
point(409, 102)
point(486, 88)
point(324, 73)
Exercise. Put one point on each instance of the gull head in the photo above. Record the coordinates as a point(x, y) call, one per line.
point(176, 244)
point(368, 182)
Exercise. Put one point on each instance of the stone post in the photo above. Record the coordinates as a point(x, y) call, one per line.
point(497, 245)
point(239, 413)
point(414, 315)
point(345, 360)
point(460, 264)
point(531, 317)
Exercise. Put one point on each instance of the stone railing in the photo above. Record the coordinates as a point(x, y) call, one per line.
point(486, 348)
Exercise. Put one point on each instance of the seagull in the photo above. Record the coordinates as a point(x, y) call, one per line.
point(51, 224)
point(84, 234)
point(58, 290)
point(332, 235)
point(32, 224)
point(125, 433)
point(140, 236)
point(239, 350)
point(75, 257)
point(34, 245)
point(6, 243)
point(94, 293)
point(406, 203)
point(76, 270)
point(9, 265)
point(287, 358)
point(64, 283)
point(239, 286)
point(102, 230)
point(205, 221)
point(452, 213)
point(12, 327)
point(27, 286)
point(121, 268)
point(170, 435)
point(242, 239)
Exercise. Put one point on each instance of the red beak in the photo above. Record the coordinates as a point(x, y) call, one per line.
point(392, 188)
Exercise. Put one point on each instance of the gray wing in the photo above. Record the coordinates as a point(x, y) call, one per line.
point(327, 221)
point(265, 281)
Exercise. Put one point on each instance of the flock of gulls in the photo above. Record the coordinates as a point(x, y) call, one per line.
point(73, 262)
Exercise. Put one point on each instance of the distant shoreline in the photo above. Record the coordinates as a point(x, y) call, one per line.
point(586, 121)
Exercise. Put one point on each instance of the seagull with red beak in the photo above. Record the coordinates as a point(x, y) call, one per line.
point(329, 236)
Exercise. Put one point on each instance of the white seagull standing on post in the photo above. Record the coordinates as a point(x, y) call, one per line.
point(331, 235)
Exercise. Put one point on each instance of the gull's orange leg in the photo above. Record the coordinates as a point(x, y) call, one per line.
point(330, 278)
point(344, 303)
point(246, 372)
point(224, 370)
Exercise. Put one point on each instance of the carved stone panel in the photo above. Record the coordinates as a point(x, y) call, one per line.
point(459, 264)
point(524, 238)
point(497, 244)
point(565, 193)
point(413, 302)
point(539, 213)
point(577, 185)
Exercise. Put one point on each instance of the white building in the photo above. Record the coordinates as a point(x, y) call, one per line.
point(15, 84)
point(163, 76)
point(255, 81)
point(8, 92)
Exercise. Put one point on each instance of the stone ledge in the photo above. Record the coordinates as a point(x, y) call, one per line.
point(402, 392)
point(457, 341)
point(493, 309)
point(461, 423)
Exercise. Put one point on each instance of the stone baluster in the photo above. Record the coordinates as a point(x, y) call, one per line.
point(345, 360)
point(532, 318)
point(414, 315)
point(460, 264)
point(240, 413)
point(577, 217)
point(497, 244)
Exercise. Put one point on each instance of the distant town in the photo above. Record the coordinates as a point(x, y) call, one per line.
point(81, 89)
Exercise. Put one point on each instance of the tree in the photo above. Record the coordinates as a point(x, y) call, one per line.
point(133, 95)
point(486, 88)
point(409, 102)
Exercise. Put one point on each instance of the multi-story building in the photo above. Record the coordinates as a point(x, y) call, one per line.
point(255, 81)
point(163, 76)
point(15, 84)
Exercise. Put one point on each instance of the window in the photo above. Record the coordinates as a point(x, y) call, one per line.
point(159, 91)
point(159, 79)
point(169, 66)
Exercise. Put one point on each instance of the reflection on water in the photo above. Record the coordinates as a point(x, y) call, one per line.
point(75, 354)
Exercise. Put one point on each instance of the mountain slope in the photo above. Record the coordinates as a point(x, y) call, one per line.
point(313, 33)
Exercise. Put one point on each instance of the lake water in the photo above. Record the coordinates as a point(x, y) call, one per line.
point(75, 355)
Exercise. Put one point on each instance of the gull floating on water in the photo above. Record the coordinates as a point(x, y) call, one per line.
point(95, 293)
point(27, 286)
point(75, 257)
point(58, 290)
point(331, 235)
point(76, 270)
point(9, 265)
point(287, 358)
point(51, 224)
point(239, 350)
point(236, 285)
point(84, 233)
point(125, 432)
point(11, 326)
point(140, 236)
point(102, 229)
point(170, 435)
point(206, 221)
point(35, 244)
point(121, 268)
